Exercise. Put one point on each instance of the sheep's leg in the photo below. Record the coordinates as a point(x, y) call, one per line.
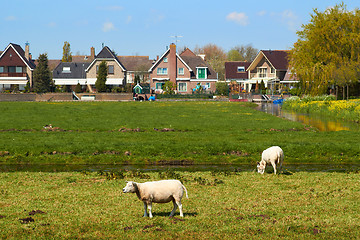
point(150, 207)
point(174, 209)
point(180, 208)
point(274, 166)
point(145, 210)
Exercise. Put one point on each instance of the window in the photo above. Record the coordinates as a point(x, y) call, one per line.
point(182, 87)
point(159, 85)
point(165, 59)
point(241, 69)
point(66, 70)
point(272, 70)
point(262, 72)
point(11, 69)
point(1, 69)
point(181, 71)
point(162, 71)
point(201, 73)
point(111, 69)
point(207, 85)
point(19, 69)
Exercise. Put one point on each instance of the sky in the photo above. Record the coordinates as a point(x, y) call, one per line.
point(146, 28)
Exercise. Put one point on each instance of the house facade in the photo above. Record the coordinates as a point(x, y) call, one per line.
point(16, 67)
point(190, 73)
point(136, 66)
point(269, 66)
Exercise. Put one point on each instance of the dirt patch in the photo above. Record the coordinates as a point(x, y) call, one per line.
point(50, 128)
point(175, 220)
point(127, 228)
point(4, 153)
point(263, 216)
point(33, 212)
point(2, 216)
point(316, 230)
point(26, 220)
point(175, 162)
point(148, 226)
point(123, 129)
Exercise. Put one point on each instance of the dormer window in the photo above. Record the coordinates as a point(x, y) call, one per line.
point(66, 70)
point(201, 73)
point(241, 69)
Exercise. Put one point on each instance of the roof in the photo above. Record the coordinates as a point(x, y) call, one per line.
point(106, 54)
point(77, 70)
point(195, 61)
point(231, 70)
point(278, 58)
point(21, 53)
point(136, 63)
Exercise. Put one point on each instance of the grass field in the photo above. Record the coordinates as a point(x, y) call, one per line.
point(221, 205)
point(160, 133)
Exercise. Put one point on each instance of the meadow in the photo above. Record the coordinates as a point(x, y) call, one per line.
point(160, 133)
point(221, 205)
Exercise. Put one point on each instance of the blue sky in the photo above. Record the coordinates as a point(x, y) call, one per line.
point(145, 28)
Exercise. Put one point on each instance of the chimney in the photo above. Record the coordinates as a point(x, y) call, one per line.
point(172, 63)
point(27, 50)
point(202, 56)
point(92, 52)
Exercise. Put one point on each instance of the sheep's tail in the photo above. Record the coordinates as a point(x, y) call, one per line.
point(185, 191)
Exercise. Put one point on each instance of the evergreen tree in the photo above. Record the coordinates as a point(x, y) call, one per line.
point(67, 57)
point(101, 77)
point(78, 88)
point(42, 75)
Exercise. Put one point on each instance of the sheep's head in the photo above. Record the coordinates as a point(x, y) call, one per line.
point(130, 187)
point(261, 167)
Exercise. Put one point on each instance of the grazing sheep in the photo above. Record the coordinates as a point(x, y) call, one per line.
point(162, 191)
point(273, 155)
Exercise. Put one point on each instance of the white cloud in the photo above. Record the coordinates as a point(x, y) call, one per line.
point(51, 24)
point(239, 18)
point(108, 26)
point(10, 18)
point(111, 8)
point(292, 21)
point(129, 19)
point(261, 13)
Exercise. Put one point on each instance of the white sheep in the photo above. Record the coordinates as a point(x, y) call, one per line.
point(273, 155)
point(162, 191)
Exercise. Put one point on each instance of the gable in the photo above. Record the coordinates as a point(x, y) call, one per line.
point(277, 59)
point(14, 55)
point(105, 55)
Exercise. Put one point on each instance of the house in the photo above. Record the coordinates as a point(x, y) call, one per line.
point(16, 67)
point(70, 74)
point(84, 71)
point(116, 70)
point(269, 66)
point(236, 75)
point(189, 72)
point(136, 66)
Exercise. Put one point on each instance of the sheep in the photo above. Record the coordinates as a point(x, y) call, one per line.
point(273, 155)
point(162, 191)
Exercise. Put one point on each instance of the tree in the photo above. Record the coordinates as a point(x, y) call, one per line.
point(67, 57)
point(169, 87)
point(78, 88)
point(242, 53)
point(215, 56)
point(42, 75)
point(327, 51)
point(222, 88)
point(100, 83)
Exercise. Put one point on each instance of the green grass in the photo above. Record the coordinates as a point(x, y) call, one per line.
point(203, 133)
point(244, 205)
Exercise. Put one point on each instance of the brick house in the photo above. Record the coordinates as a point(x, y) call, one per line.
point(16, 67)
point(187, 70)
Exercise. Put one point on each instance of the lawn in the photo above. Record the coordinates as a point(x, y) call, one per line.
point(160, 133)
point(221, 205)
